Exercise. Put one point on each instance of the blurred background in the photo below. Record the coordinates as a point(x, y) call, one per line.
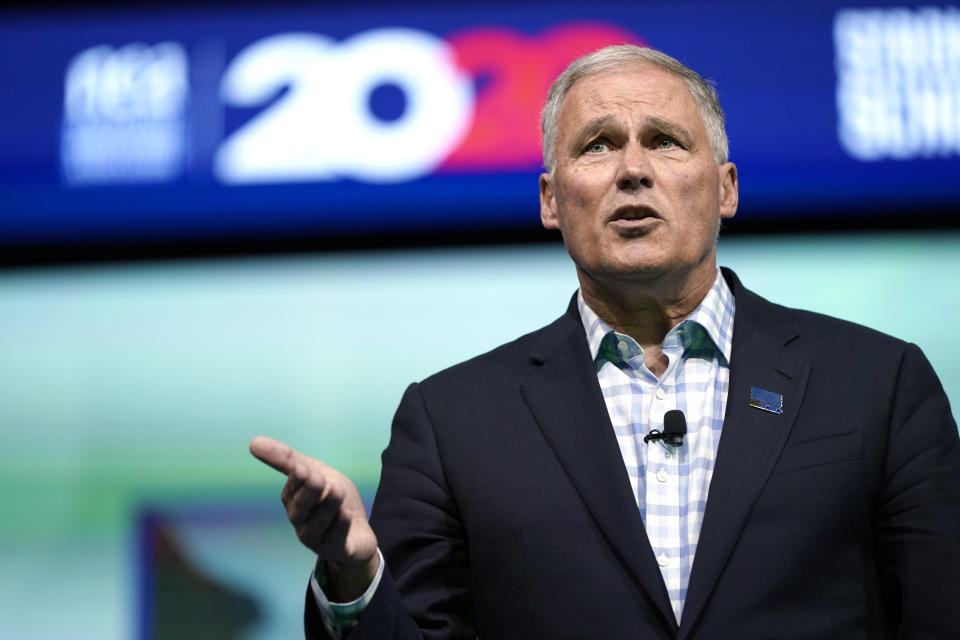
point(228, 219)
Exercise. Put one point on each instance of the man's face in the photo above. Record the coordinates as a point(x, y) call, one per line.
point(636, 191)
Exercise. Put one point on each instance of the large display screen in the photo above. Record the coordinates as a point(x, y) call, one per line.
point(184, 123)
point(129, 505)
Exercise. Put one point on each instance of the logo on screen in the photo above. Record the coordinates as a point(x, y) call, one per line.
point(386, 105)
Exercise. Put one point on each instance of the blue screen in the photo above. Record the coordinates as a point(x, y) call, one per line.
point(180, 124)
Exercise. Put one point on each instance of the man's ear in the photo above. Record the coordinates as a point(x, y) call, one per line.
point(729, 190)
point(548, 203)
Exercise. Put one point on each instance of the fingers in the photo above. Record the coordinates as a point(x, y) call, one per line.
point(306, 491)
point(336, 533)
point(295, 480)
point(302, 505)
point(313, 501)
point(321, 531)
point(323, 506)
point(278, 455)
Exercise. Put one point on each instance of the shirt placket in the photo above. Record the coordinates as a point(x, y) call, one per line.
point(663, 476)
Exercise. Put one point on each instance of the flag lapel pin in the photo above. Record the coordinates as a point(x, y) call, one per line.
point(766, 400)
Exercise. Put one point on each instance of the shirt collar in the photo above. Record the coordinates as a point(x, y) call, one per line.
point(709, 326)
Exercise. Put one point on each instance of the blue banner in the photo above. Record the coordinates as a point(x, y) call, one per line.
point(183, 124)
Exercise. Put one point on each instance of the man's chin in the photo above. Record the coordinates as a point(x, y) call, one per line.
point(645, 273)
point(640, 266)
point(638, 273)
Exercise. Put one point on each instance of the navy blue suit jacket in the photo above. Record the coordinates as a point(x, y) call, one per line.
point(505, 511)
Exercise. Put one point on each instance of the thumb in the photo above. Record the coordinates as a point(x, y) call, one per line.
point(278, 455)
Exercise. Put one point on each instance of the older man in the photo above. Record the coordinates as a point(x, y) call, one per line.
point(532, 492)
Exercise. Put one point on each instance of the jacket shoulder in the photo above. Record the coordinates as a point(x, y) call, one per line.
point(812, 329)
point(508, 361)
point(833, 328)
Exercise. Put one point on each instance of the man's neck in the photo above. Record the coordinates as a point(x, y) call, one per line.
point(646, 312)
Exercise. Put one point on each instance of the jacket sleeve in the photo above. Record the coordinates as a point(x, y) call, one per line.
point(919, 511)
point(425, 590)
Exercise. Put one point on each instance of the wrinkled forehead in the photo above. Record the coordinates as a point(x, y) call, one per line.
point(633, 92)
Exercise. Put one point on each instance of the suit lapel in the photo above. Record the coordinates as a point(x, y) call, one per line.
point(751, 440)
point(565, 398)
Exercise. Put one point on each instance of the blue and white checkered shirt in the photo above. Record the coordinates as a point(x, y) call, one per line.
point(670, 484)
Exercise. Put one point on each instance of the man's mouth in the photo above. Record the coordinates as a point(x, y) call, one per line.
point(633, 213)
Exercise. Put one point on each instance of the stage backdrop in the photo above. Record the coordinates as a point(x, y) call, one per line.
point(129, 505)
point(258, 122)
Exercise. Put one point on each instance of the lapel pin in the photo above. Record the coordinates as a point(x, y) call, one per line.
point(766, 400)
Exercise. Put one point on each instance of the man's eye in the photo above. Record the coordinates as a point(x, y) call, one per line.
point(666, 142)
point(597, 146)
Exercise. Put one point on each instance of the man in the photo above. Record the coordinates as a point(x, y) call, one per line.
point(815, 494)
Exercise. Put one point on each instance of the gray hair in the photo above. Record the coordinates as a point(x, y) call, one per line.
point(625, 56)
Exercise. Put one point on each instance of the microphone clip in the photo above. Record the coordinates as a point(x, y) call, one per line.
point(672, 439)
point(674, 428)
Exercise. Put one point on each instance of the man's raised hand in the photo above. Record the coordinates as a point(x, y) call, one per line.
point(324, 507)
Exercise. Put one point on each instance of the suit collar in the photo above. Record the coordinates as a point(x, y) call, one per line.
point(556, 335)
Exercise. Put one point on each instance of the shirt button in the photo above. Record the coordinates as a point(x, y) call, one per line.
point(623, 346)
point(668, 453)
point(663, 560)
point(662, 476)
point(660, 393)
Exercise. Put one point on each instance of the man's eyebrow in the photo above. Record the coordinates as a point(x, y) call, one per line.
point(597, 124)
point(670, 127)
point(592, 127)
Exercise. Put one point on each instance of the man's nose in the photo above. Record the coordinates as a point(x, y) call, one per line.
point(635, 171)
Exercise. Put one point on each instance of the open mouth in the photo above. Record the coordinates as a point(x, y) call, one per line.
point(633, 216)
